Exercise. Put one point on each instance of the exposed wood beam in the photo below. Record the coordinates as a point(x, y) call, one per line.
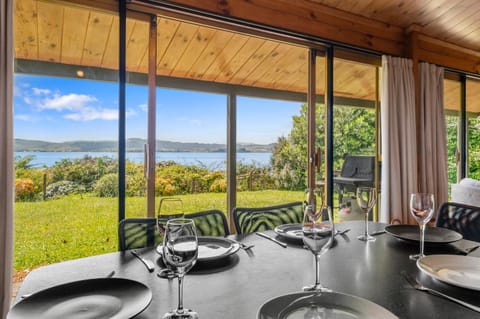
point(302, 17)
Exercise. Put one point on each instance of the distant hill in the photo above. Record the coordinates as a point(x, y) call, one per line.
point(133, 145)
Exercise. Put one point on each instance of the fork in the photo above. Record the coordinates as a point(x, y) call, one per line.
point(243, 245)
point(417, 285)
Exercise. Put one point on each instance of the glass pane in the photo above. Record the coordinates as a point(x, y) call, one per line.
point(136, 127)
point(354, 134)
point(66, 133)
point(473, 118)
point(452, 104)
point(191, 151)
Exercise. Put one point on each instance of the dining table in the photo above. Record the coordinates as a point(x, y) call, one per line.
point(237, 286)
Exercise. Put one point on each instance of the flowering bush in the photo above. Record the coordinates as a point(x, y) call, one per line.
point(24, 189)
point(62, 188)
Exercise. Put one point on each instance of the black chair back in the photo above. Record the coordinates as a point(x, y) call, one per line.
point(142, 232)
point(464, 219)
point(249, 219)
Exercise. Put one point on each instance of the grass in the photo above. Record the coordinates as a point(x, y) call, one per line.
point(79, 226)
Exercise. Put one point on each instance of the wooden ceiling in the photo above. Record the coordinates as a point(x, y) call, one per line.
point(453, 21)
point(52, 31)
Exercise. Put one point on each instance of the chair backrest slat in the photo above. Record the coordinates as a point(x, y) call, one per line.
point(252, 219)
point(142, 232)
point(464, 219)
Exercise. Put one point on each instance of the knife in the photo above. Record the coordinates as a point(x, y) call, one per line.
point(272, 239)
point(379, 232)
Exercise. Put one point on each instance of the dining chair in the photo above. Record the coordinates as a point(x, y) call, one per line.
point(464, 219)
point(252, 219)
point(142, 232)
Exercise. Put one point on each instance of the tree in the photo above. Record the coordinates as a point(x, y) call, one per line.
point(354, 133)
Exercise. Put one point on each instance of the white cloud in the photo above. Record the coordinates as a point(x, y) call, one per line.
point(90, 114)
point(37, 91)
point(143, 107)
point(69, 102)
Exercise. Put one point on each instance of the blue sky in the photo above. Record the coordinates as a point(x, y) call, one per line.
point(61, 109)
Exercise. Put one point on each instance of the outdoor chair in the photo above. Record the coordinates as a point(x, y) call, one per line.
point(249, 219)
point(142, 232)
point(464, 219)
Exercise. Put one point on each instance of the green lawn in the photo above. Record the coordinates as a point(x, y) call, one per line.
point(79, 226)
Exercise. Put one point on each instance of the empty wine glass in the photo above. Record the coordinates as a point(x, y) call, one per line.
point(366, 199)
point(318, 233)
point(180, 251)
point(421, 208)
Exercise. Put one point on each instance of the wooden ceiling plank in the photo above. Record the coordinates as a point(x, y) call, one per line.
point(221, 65)
point(137, 45)
point(266, 70)
point(74, 30)
point(255, 60)
point(241, 57)
point(183, 36)
point(166, 30)
point(25, 29)
point(196, 46)
point(110, 57)
point(98, 32)
point(294, 69)
point(279, 73)
point(211, 54)
point(50, 25)
point(473, 95)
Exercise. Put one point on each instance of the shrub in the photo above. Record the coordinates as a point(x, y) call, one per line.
point(24, 189)
point(107, 186)
point(62, 188)
point(164, 187)
point(219, 186)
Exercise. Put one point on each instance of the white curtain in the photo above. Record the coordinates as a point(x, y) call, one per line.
point(6, 154)
point(399, 147)
point(432, 134)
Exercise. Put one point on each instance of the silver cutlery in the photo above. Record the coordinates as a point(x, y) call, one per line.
point(417, 285)
point(342, 232)
point(470, 250)
point(378, 232)
point(243, 245)
point(272, 239)
point(148, 263)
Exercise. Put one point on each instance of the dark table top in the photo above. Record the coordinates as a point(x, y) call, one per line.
point(237, 287)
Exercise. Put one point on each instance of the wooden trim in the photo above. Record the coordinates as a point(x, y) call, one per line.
point(428, 49)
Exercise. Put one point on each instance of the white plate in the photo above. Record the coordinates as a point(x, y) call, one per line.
point(322, 305)
point(461, 271)
point(290, 231)
point(212, 248)
point(108, 298)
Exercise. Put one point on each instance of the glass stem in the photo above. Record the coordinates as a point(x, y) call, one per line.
point(422, 238)
point(317, 270)
point(366, 223)
point(180, 292)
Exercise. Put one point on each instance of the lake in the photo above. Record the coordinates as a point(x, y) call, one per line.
point(212, 161)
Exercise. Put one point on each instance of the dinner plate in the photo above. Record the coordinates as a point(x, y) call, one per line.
point(290, 231)
point(106, 298)
point(325, 305)
point(213, 248)
point(433, 235)
point(462, 271)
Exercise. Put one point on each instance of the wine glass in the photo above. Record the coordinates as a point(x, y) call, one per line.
point(318, 233)
point(366, 199)
point(180, 251)
point(421, 208)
